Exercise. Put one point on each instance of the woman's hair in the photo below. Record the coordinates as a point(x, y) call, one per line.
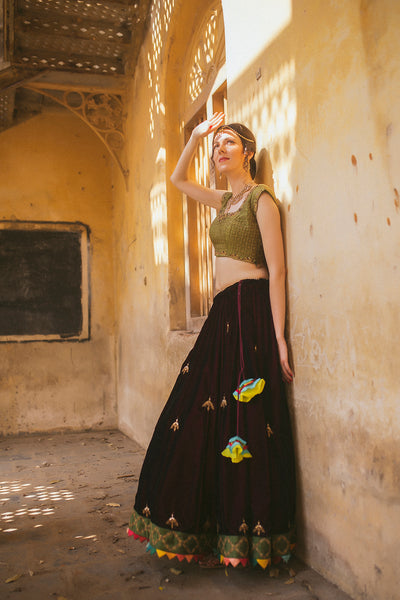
point(248, 141)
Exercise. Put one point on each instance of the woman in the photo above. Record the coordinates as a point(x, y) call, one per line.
point(217, 482)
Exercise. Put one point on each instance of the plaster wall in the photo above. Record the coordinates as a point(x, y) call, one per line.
point(322, 97)
point(54, 168)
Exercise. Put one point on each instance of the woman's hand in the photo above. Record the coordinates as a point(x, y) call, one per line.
point(181, 176)
point(208, 126)
point(287, 372)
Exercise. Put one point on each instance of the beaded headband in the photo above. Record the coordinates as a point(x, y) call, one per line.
point(223, 127)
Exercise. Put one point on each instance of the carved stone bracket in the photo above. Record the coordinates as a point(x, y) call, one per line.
point(103, 113)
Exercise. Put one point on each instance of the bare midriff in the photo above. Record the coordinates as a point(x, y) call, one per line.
point(229, 271)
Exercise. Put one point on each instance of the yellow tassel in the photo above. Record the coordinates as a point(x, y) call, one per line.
point(264, 562)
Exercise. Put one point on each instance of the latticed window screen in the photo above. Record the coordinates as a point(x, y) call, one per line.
point(199, 216)
point(203, 94)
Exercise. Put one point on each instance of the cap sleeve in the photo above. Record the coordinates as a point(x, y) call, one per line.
point(256, 193)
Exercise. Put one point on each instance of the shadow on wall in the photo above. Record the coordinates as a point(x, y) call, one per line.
point(264, 168)
point(271, 112)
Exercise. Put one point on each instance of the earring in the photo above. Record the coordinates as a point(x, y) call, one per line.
point(246, 162)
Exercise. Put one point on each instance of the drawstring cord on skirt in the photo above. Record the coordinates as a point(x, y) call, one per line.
point(241, 357)
point(236, 448)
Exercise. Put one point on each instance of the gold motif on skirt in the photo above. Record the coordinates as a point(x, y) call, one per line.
point(224, 403)
point(259, 529)
point(207, 526)
point(269, 431)
point(175, 425)
point(244, 527)
point(146, 511)
point(185, 369)
point(172, 522)
point(208, 405)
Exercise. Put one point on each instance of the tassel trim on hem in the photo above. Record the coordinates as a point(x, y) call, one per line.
point(225, 560)
point(160, 553)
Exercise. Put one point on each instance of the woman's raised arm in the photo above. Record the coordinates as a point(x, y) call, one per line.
point(180, 176)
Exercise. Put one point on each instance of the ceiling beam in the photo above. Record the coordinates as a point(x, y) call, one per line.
point(86, 82)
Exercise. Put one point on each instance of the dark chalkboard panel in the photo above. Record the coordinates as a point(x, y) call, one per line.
point(41, 275)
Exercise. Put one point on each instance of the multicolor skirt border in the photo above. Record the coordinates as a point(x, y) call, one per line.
point(245, 550)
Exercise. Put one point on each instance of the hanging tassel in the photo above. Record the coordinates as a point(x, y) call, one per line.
point(248, 389)
point(236, 450)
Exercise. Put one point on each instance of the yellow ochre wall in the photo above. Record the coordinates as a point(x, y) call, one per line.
point(319, 83)
point(54, 168)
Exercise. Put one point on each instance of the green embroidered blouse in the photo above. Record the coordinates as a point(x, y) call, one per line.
point(237, 234)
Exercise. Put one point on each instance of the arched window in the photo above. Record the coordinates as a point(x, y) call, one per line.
point(204, 93)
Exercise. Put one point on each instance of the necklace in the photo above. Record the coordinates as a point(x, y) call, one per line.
point(239, 196)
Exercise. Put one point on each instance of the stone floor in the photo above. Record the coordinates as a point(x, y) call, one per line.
point(65, 501)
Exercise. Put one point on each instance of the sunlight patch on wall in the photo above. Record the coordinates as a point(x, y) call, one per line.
point(253, 26)
point(271, 112)
point(158, 209)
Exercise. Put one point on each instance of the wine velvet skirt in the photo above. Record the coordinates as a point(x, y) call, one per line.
point(219, 474)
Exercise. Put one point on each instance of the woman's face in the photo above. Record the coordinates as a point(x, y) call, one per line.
point(228, 152)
